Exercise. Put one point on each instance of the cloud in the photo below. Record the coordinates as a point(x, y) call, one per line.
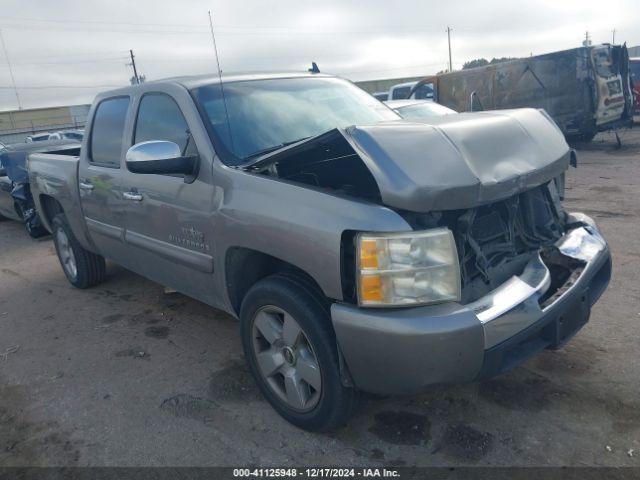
point(78, 48)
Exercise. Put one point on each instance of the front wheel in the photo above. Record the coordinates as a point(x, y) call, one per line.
point(291, 349)
point(82, 268)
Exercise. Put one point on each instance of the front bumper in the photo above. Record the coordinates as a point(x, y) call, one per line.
point(401, 351)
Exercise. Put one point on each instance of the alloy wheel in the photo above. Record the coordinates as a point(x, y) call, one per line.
point(286, 359)
point(67, 258)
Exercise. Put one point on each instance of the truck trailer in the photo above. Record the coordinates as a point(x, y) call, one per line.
point(585, 90)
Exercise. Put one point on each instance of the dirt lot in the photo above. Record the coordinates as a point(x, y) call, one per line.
point(125, 375)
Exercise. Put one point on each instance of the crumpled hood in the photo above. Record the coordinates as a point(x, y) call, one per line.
point(461, 161)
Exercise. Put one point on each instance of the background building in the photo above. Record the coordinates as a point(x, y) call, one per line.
point(17, 124)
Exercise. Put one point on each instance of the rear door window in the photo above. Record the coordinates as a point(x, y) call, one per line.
point(108, 131)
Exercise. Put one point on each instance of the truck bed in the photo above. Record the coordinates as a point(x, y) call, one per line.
point(55, 175)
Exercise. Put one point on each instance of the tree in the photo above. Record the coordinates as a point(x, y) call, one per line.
point(481, 62)
point(478, 62)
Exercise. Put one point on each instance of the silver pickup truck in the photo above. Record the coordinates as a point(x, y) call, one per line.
point(360, 252)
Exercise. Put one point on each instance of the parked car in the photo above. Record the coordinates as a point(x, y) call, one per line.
point(382, 96)
point(401, 91)
point(634, 68)
point(16, 201)
point(361, 253)
point(41, 137)
point(418, 110)
point(585, 90)
point(75, 135)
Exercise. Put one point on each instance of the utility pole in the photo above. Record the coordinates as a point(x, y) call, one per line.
point(133, 64)
point(587, 39)
point(613, 40)
point(449, 41)
point(13, 80)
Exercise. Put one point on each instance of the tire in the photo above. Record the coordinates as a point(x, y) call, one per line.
point(82, 268)
point(34, 228)
point(320, 401)
point(588, 137)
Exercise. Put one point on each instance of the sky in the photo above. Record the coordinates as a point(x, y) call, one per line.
point(64, 52)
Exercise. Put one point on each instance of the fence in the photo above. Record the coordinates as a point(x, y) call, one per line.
point(21, 129)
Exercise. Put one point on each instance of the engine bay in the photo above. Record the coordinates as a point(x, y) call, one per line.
point(497, 240)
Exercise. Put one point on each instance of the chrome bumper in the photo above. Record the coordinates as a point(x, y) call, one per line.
point(584, 244)
point(404, 350)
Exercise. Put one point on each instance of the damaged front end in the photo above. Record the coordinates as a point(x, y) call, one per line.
point(496, 241)
point(491, 178)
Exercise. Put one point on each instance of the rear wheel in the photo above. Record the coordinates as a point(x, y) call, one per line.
point(291, 349)
point(82, 268)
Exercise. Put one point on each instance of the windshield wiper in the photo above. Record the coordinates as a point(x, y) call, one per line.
point(264, 151)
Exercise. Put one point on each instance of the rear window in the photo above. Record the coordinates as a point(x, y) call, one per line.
point(108, 130)
point(400, 93)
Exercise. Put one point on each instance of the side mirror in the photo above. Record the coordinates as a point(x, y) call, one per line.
point(161, 158)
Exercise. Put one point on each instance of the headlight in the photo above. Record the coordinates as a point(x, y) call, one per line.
point(414, 268)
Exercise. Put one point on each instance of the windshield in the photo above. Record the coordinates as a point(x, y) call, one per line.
point(267, 114)
point(423, 111)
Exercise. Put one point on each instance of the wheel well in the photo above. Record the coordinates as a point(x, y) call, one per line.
point(18, 209)
point(244, 267)
point(50, 208)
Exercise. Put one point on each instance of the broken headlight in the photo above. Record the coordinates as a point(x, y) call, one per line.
point(414, 268)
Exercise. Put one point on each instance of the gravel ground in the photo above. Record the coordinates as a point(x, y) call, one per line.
point(126, 375)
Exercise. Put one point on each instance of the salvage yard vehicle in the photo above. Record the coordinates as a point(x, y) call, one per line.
point(634, 68)
point(586, 90)
point(401, 91)
point(76, 135)
point(16, 202)
point(360, 252)
point(418, 110)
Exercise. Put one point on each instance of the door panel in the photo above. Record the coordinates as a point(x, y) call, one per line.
point(170, 232)
point(100, 180)
point(169, 224)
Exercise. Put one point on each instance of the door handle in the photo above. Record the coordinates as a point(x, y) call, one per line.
point(86, 185)
point(134, 196)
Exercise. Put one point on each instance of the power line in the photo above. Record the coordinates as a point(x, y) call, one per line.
point(72, 62)
point(13, 80)
point(46, 87)
point(98, 22)
point(371, 29)
point(228, 30)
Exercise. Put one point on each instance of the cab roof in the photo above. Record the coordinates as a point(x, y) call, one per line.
point(194, 81)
